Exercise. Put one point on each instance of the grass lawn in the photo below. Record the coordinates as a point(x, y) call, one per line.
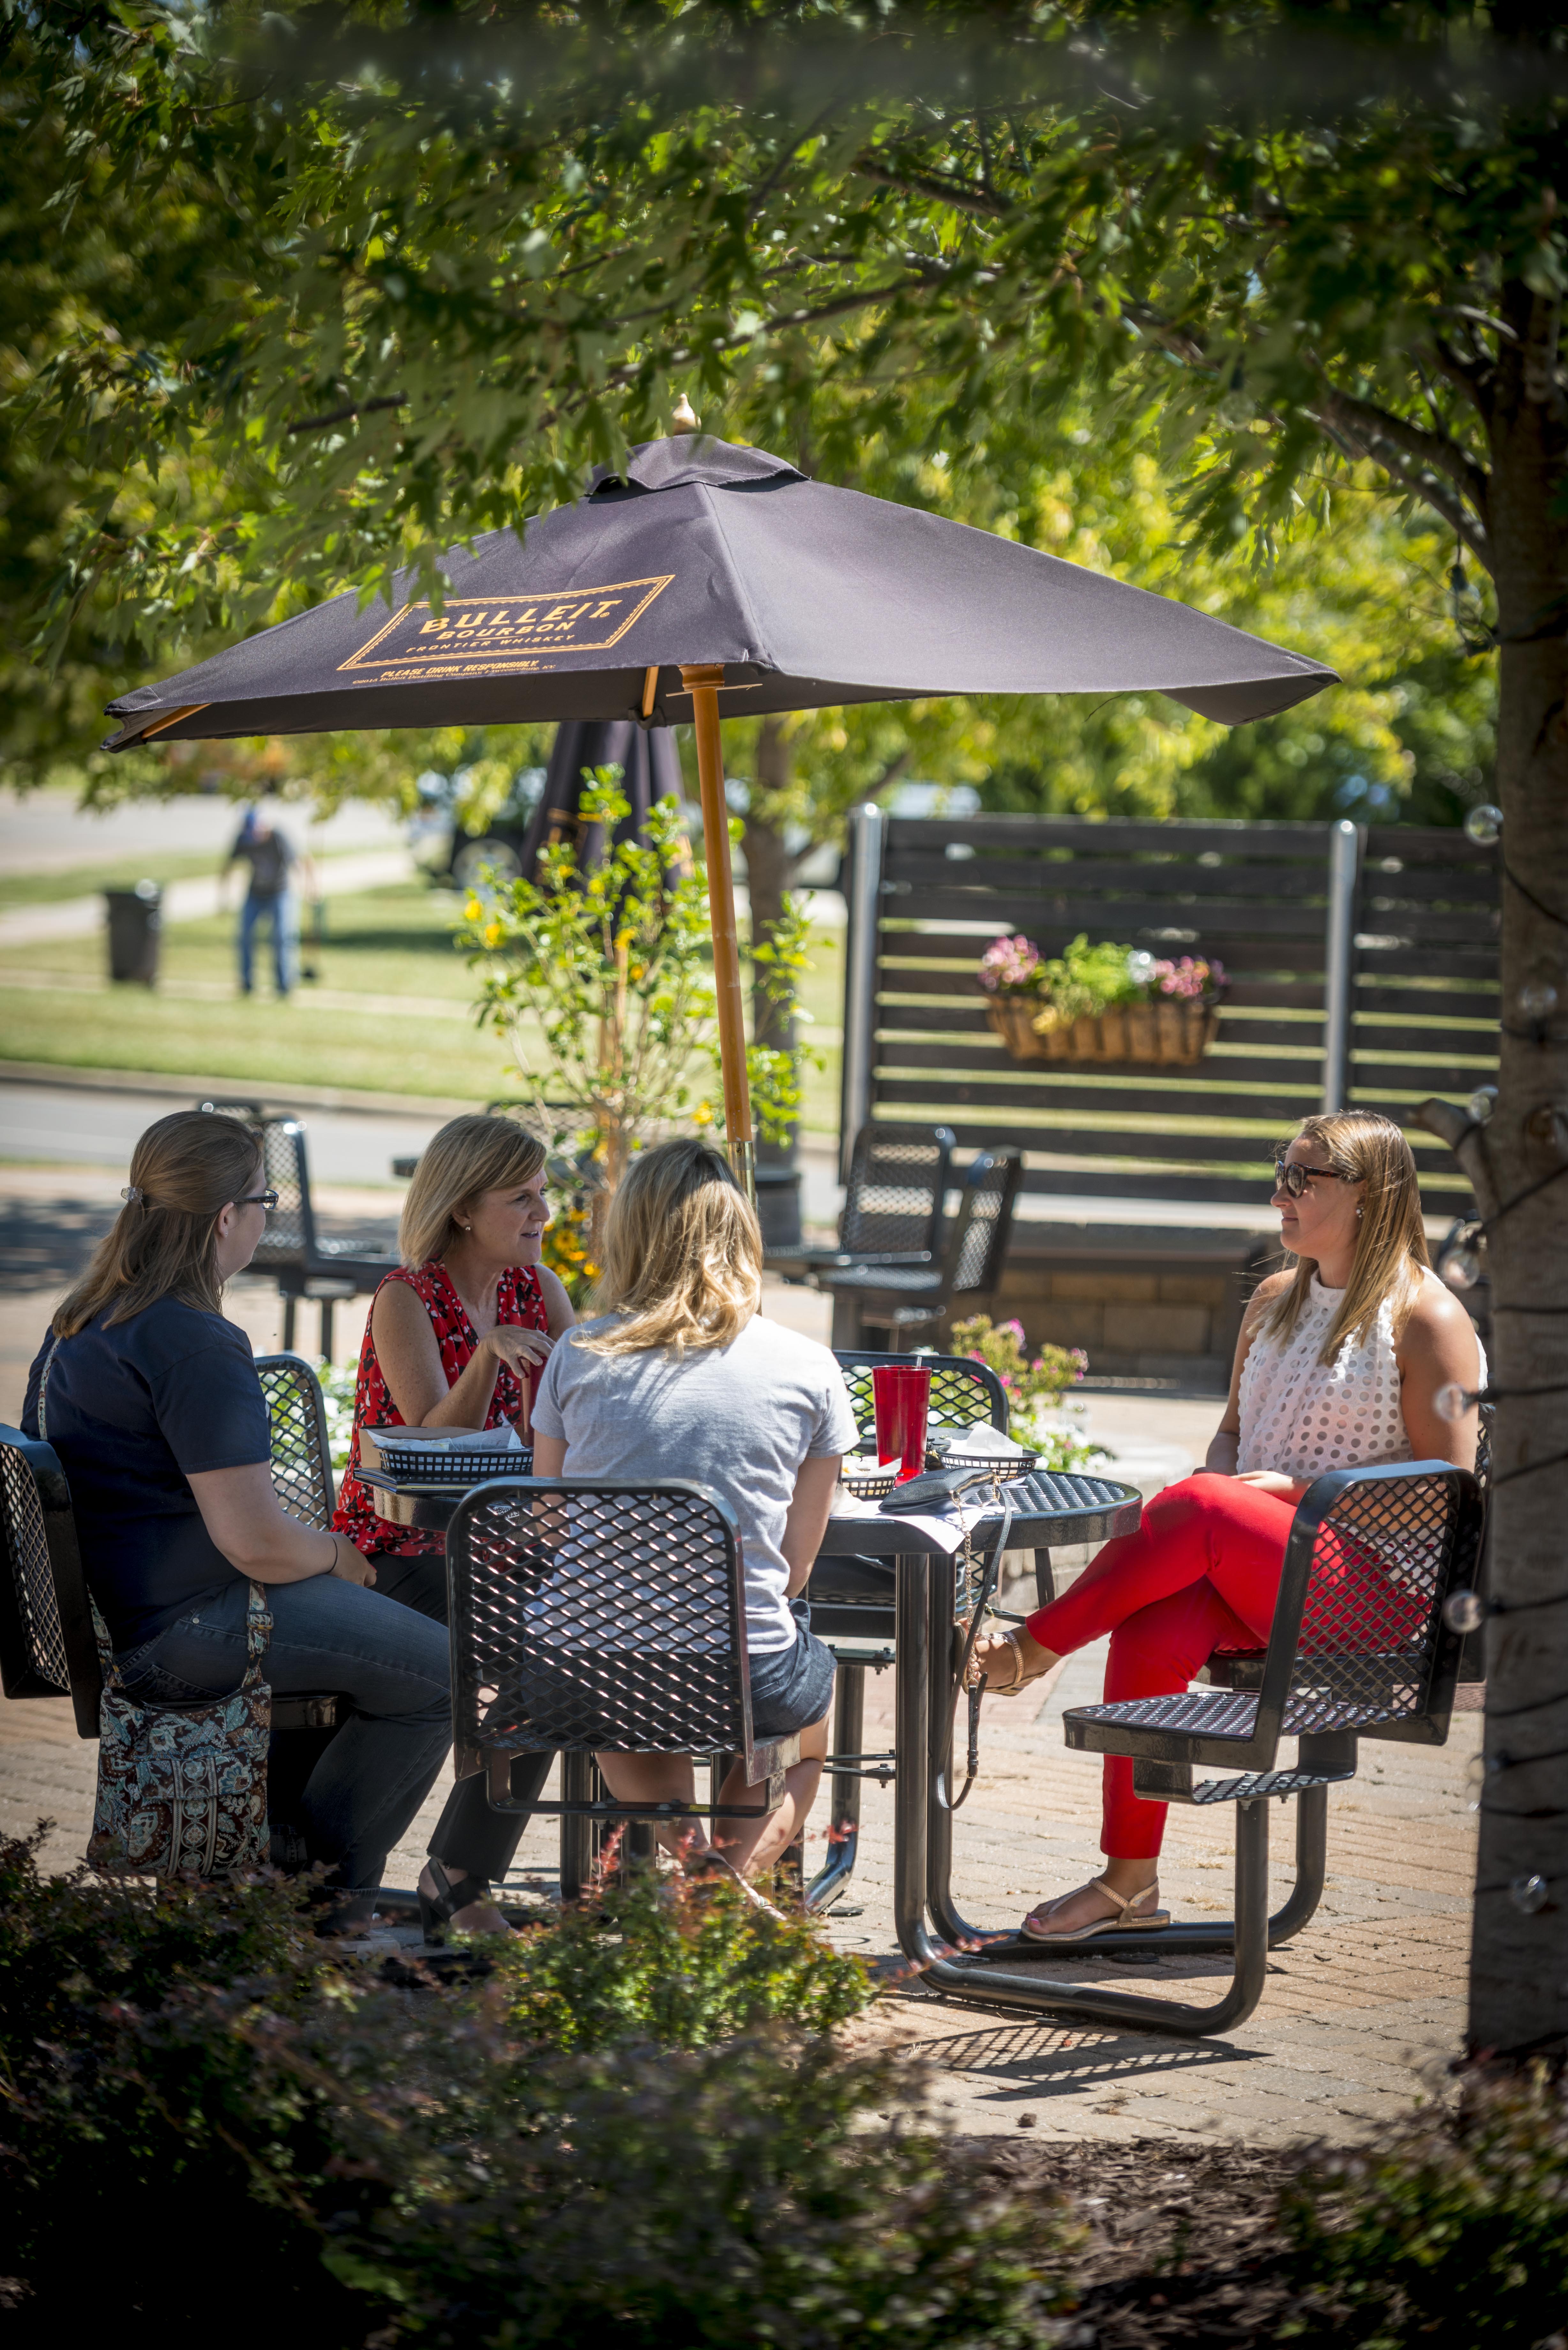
point(389, 1011)
point(82, 880)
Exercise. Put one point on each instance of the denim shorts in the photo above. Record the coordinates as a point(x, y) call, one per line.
point(792, 1688)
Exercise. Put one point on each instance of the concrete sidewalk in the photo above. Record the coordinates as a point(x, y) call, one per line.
point(195, 899)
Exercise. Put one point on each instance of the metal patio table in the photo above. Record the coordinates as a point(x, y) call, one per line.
point(969, 1962)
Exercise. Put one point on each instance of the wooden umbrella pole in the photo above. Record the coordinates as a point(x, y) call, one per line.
point(702, 684)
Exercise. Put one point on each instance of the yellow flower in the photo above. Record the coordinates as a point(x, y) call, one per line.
point(703, 1115)
point(473, 910)
point(493, 934)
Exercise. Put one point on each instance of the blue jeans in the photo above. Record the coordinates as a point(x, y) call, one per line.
point(279, 913)
point(388, 1661)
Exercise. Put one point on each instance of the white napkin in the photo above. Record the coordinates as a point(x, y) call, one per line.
point(985, 1443)
point(946, 1532)
point(435, 1439)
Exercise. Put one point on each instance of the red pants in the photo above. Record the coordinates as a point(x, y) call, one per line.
point(1202, 1573)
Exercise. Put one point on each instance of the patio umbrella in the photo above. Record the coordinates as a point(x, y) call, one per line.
point(707, 569)
point(649, 771)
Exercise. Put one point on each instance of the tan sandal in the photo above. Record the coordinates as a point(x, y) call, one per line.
point(1126, 1920)
point(1021, 1679)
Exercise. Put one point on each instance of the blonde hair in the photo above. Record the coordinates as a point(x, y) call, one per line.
point(683, 1253)
point(463, 1158)
point(164, 1244)
point(1390, 1239)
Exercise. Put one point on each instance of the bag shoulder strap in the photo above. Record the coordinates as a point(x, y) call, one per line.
point(44, 1385)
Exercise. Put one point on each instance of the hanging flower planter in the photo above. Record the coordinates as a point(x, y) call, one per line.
point(1105, 1002)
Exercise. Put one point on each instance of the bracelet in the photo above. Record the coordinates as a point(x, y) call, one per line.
point(333, 1540)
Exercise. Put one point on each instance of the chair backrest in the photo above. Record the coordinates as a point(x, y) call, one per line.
point(597, 1616)
point(1358, 1641)
point(301, 1448)
point(977, 1245)
point(290, 1234)
point(46, 1643)
point(962, 1390)
point(897, 1193)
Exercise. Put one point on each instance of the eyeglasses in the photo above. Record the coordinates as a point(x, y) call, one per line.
point(267, 1199)
point(1291, 1177)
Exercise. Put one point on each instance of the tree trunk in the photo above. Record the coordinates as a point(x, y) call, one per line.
point(1519, 1970)
point(769, 868)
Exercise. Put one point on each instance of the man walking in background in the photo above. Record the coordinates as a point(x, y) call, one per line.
point(272, 857)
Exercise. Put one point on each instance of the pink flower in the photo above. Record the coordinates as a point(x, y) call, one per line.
point(1192, 976)
point(1009, 962)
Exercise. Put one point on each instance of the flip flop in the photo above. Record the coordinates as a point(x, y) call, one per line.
point(1126, 1921)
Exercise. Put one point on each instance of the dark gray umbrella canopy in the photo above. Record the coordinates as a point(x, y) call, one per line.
point(808, 596)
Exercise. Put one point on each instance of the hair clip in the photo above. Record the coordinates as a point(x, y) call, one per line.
point(133, 1194)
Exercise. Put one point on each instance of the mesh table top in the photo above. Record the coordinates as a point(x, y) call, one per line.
point(1050, 1507)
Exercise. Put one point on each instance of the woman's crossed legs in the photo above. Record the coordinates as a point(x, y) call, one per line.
point(1202, 1573)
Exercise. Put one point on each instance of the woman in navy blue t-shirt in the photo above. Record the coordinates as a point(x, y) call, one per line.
point(152, 1403)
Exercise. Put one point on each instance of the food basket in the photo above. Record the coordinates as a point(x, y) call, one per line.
point(870, 1480)
point(452, 1458)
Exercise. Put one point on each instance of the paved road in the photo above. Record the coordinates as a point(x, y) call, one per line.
point(78, 1127)
point(46, 832)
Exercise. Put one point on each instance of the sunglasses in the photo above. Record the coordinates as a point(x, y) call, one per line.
point(1288, 1177)
point(267, 1199)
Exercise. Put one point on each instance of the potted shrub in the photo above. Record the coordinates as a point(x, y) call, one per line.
point(1101, 1003)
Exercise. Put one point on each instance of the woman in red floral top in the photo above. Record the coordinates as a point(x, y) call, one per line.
point(458, 1338)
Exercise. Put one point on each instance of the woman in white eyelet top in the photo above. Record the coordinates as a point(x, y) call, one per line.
point(1303, 1416)
point(1339, 1364)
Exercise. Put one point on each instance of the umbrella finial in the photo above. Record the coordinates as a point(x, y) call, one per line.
point(684, 417)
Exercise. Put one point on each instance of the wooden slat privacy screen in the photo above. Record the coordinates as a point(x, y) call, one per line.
point(1418, 989)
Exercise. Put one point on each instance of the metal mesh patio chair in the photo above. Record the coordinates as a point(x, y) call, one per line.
point(301, 1448)
point(303, 1726)
point(894, 1204)
point(600, 1616)
point(48, 1644)
point(1359, 1648)
point(307, 1265)
point(900, 1298)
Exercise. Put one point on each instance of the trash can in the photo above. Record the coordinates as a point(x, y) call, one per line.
point(135, 920)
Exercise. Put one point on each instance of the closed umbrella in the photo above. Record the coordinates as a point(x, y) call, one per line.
point(706, 571)
point(649, 771)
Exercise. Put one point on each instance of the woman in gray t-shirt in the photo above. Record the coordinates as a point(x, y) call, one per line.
point(683, 1377)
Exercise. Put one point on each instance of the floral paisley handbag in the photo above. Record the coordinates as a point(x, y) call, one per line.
point(181, 1790)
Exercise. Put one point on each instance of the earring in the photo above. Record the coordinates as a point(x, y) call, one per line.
point(1359, 1213)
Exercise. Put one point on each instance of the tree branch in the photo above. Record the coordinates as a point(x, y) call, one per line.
point(348, 415)
point(963, 196)
point(1467, 1140)
point(1467, 375)
point(1361, 420)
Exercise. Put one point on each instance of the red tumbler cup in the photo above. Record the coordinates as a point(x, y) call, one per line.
point(915, 1403)
point(887, 1400)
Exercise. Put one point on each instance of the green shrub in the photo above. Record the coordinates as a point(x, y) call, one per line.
point(1452, 2233)
point(210, 2124)
point(679, 1963)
